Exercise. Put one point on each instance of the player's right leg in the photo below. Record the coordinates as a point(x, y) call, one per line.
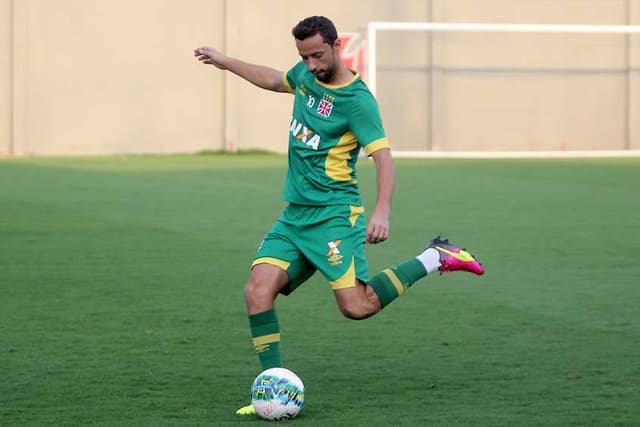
point(278, 268)
point(264, 284)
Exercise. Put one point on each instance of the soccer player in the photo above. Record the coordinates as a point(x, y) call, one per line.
point(323, 227)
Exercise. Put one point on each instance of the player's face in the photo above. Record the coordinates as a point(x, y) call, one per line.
point(321, 58)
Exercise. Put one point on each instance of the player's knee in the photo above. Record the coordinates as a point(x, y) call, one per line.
point(259, 294)
point(255, 291)
point(354, 312)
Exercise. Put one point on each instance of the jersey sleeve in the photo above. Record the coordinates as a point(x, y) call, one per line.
point(366, 125)
point(291, 78)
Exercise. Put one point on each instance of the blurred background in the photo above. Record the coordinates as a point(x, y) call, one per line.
point(90, 77)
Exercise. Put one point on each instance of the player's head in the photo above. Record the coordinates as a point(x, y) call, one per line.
point(318, 45)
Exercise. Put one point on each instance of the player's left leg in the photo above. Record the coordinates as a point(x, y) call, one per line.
point(335, 246)
point(357, 302)
point(365, 298)
point(438, 256)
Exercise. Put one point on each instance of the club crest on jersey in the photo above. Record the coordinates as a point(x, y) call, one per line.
point(304, 134)
point(325, 107)
point(334, 256)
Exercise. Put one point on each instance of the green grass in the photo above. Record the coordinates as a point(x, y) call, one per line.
point(121, 296)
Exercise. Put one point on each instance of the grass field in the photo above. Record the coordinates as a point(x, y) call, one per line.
point(121, 296)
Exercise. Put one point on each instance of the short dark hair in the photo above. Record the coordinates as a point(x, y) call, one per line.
point(313, 25)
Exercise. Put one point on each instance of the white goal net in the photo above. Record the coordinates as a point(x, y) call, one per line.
point(460, 89)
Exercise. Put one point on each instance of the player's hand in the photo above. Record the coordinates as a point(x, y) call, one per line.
point(378, 228)
point(209, 55)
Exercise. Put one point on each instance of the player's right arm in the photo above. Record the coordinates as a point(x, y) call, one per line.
point(260, 75)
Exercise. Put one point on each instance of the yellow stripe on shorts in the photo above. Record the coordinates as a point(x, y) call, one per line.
point(356, 211)
point(348, 279)
point(273, 261)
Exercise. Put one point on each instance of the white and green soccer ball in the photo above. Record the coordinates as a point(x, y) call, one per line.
point(277, 394)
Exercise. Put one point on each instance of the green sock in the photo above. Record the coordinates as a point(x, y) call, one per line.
point(265, 331)
point(389, 284)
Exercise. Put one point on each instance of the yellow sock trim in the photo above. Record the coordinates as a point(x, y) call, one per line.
point(266, 339)
point(395, 281)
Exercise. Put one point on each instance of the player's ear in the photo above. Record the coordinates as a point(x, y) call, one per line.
point(337, 43)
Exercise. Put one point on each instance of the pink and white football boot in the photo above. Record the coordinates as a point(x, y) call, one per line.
point(453, 258)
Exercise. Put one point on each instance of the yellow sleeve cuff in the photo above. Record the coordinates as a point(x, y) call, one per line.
point(285, 82)
point(376, 145)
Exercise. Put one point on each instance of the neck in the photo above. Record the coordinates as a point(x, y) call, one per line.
point(342, 76)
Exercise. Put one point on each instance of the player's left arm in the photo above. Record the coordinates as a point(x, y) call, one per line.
point(379, 222)
point(366, 125)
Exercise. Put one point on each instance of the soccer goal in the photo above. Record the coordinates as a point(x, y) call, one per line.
point(507, 90)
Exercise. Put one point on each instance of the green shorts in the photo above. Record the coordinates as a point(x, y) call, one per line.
point(329, 239)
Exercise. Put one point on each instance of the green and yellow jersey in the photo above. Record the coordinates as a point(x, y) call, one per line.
point(329, 126)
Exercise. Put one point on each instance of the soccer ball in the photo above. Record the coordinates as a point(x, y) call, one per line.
point(277, 394)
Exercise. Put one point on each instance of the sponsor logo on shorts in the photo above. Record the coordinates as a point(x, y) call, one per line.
point(334, 256)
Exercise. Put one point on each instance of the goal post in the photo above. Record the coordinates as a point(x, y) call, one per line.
point(624, 75)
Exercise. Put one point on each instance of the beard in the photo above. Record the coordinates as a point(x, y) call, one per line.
point(325, 76)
